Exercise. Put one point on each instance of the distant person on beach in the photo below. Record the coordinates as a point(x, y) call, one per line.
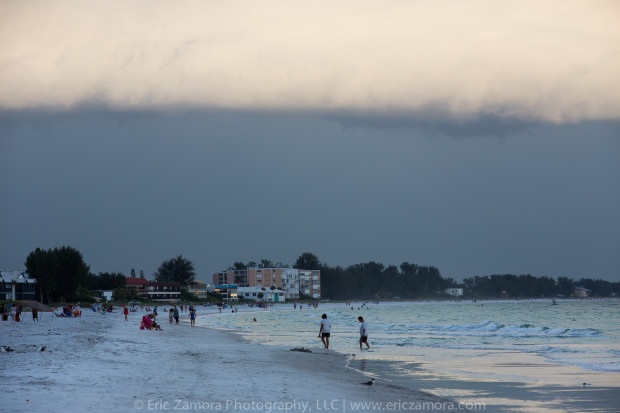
point(363, 332)
point(171, 315)
point(18, 312)
point(35, 315)
point(3, 313)
point(126, 312)
point(325, 331)
point(192, 317)
point(176, 315)
point(155, 325)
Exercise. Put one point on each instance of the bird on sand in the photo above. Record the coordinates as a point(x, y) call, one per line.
point(370, 383)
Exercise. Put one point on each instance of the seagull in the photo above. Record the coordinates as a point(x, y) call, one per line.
point(43, 348)
point(6, 349)
point(370, 383)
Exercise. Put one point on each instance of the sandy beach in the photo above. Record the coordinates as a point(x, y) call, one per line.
point(101, 363)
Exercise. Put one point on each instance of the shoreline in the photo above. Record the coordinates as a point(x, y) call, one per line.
point(101, 363)
point(504, 388)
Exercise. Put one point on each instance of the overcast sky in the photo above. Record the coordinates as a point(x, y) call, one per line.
point(477, 136)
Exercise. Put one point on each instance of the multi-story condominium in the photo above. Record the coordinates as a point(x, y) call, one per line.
point(291, 280)
point(239, 277)
point(310, 282)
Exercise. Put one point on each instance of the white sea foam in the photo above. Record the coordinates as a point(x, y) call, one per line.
point(405, 330)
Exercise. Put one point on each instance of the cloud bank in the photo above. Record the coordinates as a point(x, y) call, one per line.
point(551, 61)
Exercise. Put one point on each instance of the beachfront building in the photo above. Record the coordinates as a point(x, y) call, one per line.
point(454, 292)
point(197, 288)
point(163, 291)
point(292, 281)
point(103, 295)
point(262, 294)
point(137, 284)
point(154, 290)
point(228, 291)
point(581, 292)
point(16, 285)
point(310, 283)
point(238, 277)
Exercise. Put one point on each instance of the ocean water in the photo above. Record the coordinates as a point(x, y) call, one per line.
point(528, 338)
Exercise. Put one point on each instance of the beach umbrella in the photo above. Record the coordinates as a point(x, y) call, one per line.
point(35, 305)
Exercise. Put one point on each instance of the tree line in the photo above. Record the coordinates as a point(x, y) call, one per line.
point(526, 285)
point(374, 280)
point(62, 275)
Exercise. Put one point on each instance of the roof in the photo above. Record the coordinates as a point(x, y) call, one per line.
point(136, 281)
point(164, 284)
point(582, 288)
point(15, 276)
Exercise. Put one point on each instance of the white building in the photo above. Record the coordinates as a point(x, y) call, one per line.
point(454, 292)
point(268, 295)
point(16, 285)
point(310, 283)
point(295, 282)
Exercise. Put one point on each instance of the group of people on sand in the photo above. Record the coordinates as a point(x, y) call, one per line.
point(149, 321)
point(325, 332)
point(69, 311)
point(14, 312)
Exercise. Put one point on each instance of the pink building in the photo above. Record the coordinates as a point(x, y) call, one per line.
point(581, 292)
point(291, 280)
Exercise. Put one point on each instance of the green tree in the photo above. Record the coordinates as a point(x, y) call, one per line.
point(59, 272)
point(307, 261)
point(566, 286)
point(266, 263)
point(177, 269)
point(238, 265)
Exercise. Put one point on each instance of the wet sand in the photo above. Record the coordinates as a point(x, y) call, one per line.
point(102, 363)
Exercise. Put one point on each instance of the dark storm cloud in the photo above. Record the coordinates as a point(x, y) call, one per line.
point(130, 189)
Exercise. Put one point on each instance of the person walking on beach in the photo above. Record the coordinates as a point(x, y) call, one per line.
point(35, 315)
point(325, 331)
point(171, 315)
point(363, 332)
point(126, 312)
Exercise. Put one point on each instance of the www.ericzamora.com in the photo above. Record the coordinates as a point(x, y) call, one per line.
point(336, 405)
